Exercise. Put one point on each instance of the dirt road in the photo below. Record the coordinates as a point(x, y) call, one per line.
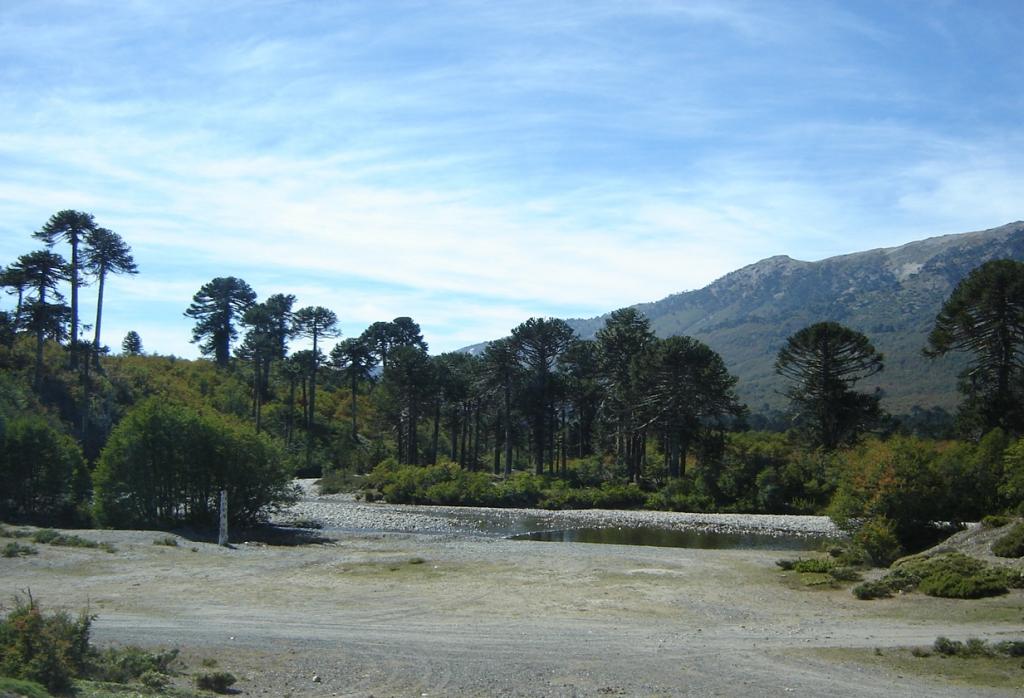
point(451, 615)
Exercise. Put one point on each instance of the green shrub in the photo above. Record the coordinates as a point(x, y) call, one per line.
point(42, 469)
point(16, 688)
point(949, 648)
point(337, 481)
point(995, 521)
point(955, 575)
point(216, 681)
point(48, 536)
point(48, 649)
point(952, 575)
point(1010, 544)
point(872, 590)
point(1011, 648)
point(18, 550)
point(786, 565)
point(165, 464)
point(127, 664)
point(845, 574)
point(154, 680)
point(877, 538)
point(814, 565)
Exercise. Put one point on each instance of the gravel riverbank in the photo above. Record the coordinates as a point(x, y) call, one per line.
point(344, 512)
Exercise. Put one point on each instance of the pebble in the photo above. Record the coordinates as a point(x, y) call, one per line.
point(344, 512)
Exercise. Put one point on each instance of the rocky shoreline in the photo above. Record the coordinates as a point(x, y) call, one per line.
point(345, 513)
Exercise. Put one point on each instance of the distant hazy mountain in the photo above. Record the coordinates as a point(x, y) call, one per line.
point(891, 295)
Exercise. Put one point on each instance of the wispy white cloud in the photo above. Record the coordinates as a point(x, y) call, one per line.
point(472, 164)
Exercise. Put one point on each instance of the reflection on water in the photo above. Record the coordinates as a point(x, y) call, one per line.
point(707, 540)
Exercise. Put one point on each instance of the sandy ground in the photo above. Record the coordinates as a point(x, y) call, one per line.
point(398, 614)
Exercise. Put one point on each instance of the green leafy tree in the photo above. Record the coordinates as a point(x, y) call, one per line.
point(42, 272)
point(824, 361)
point(105, 253)
point(624, 339)
point(215, 307)
point(71, 227)
point(687, 388)
point(383, 337)
point(503, 372)
point(314, 323)
point(14, 280)
point(132, 343)
point(355, 361)
point(271, 325)
point(408, 384)
point(540, 342)
point(165, 464)
point(985, 317)
point(42, 470)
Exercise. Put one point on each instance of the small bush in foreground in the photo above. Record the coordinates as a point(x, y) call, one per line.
point(50, 650)
point(53, 649)
point(18, 550)
point(216, 681)
point(1010, 544)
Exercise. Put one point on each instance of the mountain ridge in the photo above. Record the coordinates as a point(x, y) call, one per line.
point(891, 294)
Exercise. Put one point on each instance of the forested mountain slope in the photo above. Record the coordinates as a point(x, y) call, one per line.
point(891, 295)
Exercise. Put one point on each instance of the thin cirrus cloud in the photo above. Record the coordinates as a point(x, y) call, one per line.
point(473, 164)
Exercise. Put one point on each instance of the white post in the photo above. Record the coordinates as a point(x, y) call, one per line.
point(222, 538)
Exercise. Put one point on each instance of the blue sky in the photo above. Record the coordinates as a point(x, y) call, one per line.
point(472, 164)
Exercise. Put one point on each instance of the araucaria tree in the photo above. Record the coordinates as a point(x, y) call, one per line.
point(540, 342)
point(315, 323)
point(46, 313)
point(688, 388)
point(105, 253)
point(72, 227)
point(985, 316)
point(215, 308)
point(824, 362)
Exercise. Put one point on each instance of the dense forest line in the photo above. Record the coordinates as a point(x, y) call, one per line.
point(539, 418)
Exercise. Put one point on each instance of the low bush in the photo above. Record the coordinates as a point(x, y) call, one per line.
point(216, 681)
point(18, 550)
point(976, 647)
point(1010, 544)
point(872, 590)
point(814, 565)
point(169, 541)
point(48, 536)
point(995, 521)
point(877, 538)
point(127, 664)
point(951, 575)
point(337, 481)
point(53, 649)
point(16, 688)
point(48, 649)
